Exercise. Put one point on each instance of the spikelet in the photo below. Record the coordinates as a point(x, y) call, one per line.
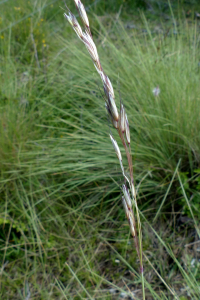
point(127, 196)
point(74, 23)
point(127, 130)
point(116, 148)
point(82, 13)
point(129, 215)
point(122, 118)
point(90, 45)
point(114, 122)
point(113, 107)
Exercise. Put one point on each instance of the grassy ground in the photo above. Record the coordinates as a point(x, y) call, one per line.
point(63, 233)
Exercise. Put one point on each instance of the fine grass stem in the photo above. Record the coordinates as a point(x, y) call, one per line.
point(120, 122)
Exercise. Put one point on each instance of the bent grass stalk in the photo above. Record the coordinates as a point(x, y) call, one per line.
point(120, 123)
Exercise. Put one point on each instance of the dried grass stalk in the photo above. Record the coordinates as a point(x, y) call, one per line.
point(120, 123)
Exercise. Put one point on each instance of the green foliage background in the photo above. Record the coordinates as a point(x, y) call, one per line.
point(61, 220)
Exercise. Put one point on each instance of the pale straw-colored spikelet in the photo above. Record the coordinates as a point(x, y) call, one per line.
point(108, 86)
point(127, 130)
point(114, 122)
point(91, 47)
point(122, 118)
point(129, 215)
point(82, 13)
point(127, 195)
point(113, 107)
point(133, 191)
point(116, 148)
point(74, 23)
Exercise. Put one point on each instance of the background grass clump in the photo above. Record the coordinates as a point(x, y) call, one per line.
point(63, 233)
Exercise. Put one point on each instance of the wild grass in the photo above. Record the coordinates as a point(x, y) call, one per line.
point(63, 230)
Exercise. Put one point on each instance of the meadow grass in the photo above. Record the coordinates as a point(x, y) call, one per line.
point(63, 230)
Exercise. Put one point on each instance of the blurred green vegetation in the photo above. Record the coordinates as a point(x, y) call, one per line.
point(63, 233)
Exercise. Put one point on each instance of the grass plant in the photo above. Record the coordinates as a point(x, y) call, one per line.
point(63, 234)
